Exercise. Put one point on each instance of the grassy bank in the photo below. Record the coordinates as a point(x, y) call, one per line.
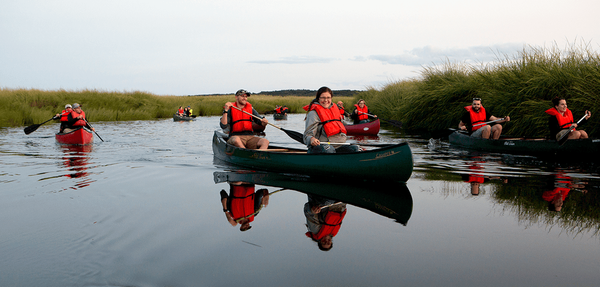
point(23, 107)
point(520, 87)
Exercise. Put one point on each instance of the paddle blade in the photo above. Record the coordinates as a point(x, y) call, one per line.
point(294, 135)
point(31, 128)
point(564, 138)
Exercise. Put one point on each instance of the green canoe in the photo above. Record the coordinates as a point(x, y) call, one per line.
point(390, 162)
point(389, 199)
point(582, 148)
point(179, 118)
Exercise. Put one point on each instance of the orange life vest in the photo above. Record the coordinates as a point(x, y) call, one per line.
point(333, 222)
point(362, 113)
point(241, 122)
point(476, 117)
point(242, 202)
point(330, 119)
point(80, 122)
point(64, 116)
point(564, 121)
point(278, 110)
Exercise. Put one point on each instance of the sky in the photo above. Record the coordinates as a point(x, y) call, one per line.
point(179, 47)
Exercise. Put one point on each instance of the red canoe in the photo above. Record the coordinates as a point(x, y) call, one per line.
point(366, 129)
point(81, 136)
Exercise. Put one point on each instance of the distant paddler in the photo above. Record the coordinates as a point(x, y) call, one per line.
point(361, 113)
point(77, 119)
point(475, 121)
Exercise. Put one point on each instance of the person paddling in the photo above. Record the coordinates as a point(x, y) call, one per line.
point(561, 121)
point(64, 117)
point(237, 120)
point(360, 115)
point(77, 119)
point(476, 114)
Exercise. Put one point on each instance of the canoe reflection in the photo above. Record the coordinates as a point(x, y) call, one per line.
point(390, 199)
point(75, 160)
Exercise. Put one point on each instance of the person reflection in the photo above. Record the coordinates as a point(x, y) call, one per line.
point(476, 177)
point(562, 185)
point(323, 220)
point(243, 204)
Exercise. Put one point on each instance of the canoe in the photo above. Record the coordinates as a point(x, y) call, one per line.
point(529, 146)
point(178, 118)
point(80, 136)
point(367, 129)
point(390, 162)
point(279, 117)
point(390, 199)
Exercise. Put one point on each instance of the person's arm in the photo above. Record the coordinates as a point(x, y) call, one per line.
point(263, 120)
point(226, 117)
point(465, 121)
point(312, 123)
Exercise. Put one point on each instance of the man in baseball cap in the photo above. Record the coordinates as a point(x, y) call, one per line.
point(237, 118)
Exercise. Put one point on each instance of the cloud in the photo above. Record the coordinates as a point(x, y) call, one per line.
point(296, 60)
point(428, 55)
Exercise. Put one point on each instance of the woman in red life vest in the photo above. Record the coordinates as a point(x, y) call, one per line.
point(64, 117)
point(561, 120)
point(323, 220)
point(77, 119)
point(239, 124)
point(361, 113)
point(476, 114)
point(324, 124)
point(180, 111)
point(242, 204)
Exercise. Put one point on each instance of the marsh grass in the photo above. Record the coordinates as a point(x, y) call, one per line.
point(521, 87)
point(23, 107)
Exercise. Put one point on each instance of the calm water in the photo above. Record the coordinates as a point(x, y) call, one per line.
point(143, 209)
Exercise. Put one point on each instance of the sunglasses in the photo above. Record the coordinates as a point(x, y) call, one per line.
point(476, 99)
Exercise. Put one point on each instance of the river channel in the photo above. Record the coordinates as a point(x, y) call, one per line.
point(143, 208)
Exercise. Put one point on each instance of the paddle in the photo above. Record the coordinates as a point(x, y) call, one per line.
point(481, 124)
point(93, 128)
point(363, 144)
point(565, 137)
point(32, 128)
point(397, 124)
point(294, 135)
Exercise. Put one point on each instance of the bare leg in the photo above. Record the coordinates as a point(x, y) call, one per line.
point(236, 141)
point(263, 144)
point(584, 135)
point(486, 132)
point(496, 131)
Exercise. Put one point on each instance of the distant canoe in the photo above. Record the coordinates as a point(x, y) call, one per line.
point(390, 162)
point(367, 129)
point(80, 136)
point(582, 148)
point(279, 117)
point(390, 199)
point(179, 118)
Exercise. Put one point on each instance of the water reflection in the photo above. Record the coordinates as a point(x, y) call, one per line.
point(243, 203)
point(323, 220)
point(476, 175)
point(389, 199)
point(560, 188)
point(75, 161)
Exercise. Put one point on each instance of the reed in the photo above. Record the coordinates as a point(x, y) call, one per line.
point(521, 86)
point(23, 107)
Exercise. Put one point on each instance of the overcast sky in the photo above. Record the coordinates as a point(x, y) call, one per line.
point(204, 47)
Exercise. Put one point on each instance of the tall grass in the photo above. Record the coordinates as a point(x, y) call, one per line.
point(520, 87)
point(22, 107)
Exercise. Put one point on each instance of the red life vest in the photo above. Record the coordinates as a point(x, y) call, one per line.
point(64, 116)
point(564, 121)
point(81, 122)
point(242, 202)
point(362, 113)
point(306, 107)
point(278, 110)
point(476, 117)
point(241, 122)
point(180, 111)
point(330, 119)
point(333, 222)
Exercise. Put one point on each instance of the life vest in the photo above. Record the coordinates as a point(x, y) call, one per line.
point(330, 119)
point(189, 112)
point(241, 122)
point(278, 110)
point(564, 121)
point(362, 113)
point(476, 117)
point(306, 107)
point(80, 122)
point(333, 222)
point(64, 116)
point(180, 111)
point(242, 202)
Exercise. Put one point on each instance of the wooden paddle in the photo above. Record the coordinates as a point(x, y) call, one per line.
point(93, 128)
point(397, 124)
point(32, 128)
point(294, 135)
point(565, 137)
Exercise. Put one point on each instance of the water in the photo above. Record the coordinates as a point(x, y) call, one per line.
point(143, 209)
